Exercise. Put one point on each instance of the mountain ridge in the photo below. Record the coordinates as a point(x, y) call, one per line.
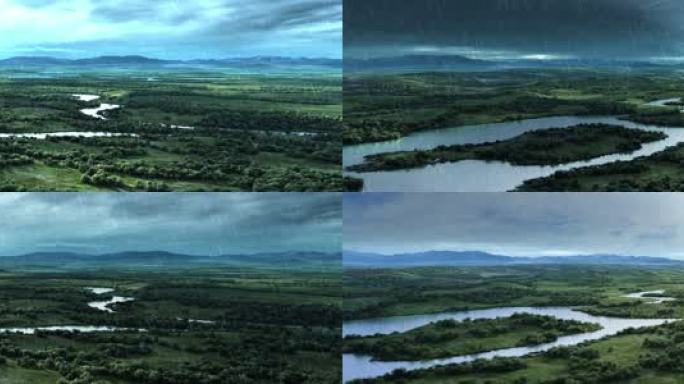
point(477, 258)
point(143, 60)
point(427, 63)
point(164, 258)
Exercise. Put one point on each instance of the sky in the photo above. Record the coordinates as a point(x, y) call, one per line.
point(171, 29)
point(520, 224)
point(190, 223)
point(516, 29)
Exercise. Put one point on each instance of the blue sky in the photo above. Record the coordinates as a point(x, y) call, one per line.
point(520, 224)
point(171, 29)
point(191, 223)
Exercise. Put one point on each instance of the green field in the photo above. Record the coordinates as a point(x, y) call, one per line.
point(255, 326)
point(647, 355)
point(253, 132)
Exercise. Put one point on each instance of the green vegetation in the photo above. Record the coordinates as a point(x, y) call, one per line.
point(352, 184)
point(544, 147)
point(452, 338)
point(639, 356)
point(251, 132)
point(256, 326)
point(661, 171)
point(382, 107)
point(386, 107)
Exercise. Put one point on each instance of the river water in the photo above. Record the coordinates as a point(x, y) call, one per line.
point(488, 176)
point(101, 305)
point(105, 305)
point(361, 366)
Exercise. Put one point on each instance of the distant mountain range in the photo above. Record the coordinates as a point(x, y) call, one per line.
point(167, 259)
point(473, 259)
point(260, 61)
point(418, 62)
point(462, 63)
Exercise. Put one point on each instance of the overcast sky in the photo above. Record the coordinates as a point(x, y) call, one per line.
point(173, 29)
point(495, 29)
point(192, 223)
point(517, 224)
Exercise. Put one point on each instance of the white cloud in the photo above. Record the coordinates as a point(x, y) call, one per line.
point(133, 27)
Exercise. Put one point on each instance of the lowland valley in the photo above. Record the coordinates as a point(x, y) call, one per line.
point(156, 317)
point(491, 319)
point(131, 123)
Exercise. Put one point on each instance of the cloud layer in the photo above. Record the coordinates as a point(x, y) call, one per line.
point(517, 224)
point(192, 223)
point(171, 28)
point(516, 28)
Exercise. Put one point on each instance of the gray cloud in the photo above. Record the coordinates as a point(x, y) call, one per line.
point(517, 224)
point(194, 223)
point(627, 28)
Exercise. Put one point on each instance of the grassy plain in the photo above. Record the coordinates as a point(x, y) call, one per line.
point(253, 132)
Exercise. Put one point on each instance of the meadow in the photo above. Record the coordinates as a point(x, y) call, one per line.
point(180, 129)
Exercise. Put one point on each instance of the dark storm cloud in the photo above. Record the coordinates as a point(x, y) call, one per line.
point(194, 223)
point(628, 28)
point(517, 224)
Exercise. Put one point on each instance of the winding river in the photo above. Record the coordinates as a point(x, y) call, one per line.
point(95, 112)
point(364, 367)
point(105, 305)
point(488, 176)
point(101, 305)
point(92, 112)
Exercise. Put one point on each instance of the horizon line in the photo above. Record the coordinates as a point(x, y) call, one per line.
point(169, 59)
point(511, 256)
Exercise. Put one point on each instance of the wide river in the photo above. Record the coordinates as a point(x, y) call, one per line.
point(364, 367)
point(488, 176)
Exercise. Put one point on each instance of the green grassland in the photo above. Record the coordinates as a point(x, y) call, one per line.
point(648, 355)
point(253, 132)
point(266, 326)
point(389, 106)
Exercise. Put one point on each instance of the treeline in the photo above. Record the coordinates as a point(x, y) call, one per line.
point(639, 174)
point(363, 129)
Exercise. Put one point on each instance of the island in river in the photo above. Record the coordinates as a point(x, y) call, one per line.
point(543, 147)
point(389, 113)
point(634, 311)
